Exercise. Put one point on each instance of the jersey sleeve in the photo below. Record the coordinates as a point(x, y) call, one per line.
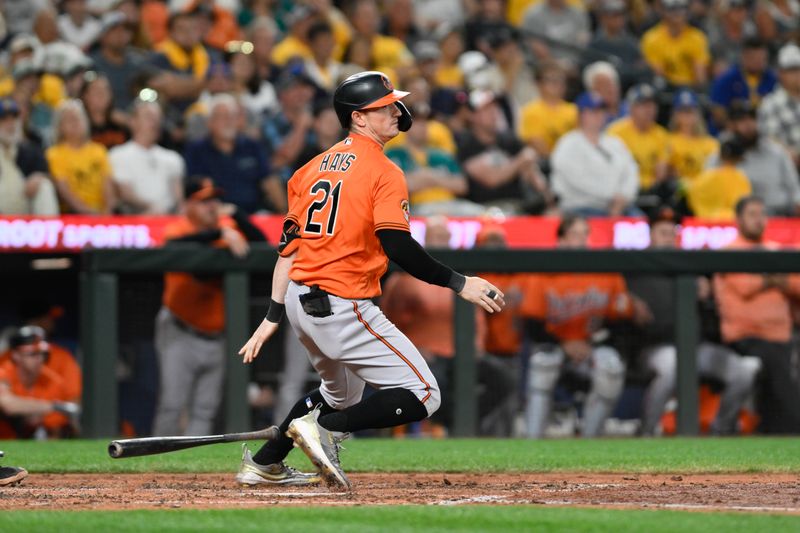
point(290, 236)
point(390, 201)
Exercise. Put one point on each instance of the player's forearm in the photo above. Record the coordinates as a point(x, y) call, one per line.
point(280, 278)
point(401, 248)
point(13, 405)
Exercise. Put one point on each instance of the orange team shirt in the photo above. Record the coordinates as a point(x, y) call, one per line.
point(337, 202)
point(424, 313)
point(573, 306)
point(503, 336)
point(197, 302)
point(65, 366)
point(48, 387)
point(746, 310)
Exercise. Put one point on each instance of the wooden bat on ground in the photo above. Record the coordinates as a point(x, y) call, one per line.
point(118, 449)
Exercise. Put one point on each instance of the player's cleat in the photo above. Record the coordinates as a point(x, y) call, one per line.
point(321, 446)
point(11, 475)
point(252, 473)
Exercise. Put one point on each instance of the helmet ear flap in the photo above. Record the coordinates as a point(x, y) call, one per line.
point(405, 120)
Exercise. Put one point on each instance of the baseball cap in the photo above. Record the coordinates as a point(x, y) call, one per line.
point(731, 147)
point(500, 36)
point(685, 98)
point(24, 68)
point(23, 42)
point(590, 101)
point(675, 5)
point(612, 6)
point(300, 13)
point(293, 75)
point(643, 92)
point(741, 109)
point(201, 188)
point(480, 98)
point(112, 19)
point(789, 57)
point(426, 51)
point(8, 106)
point(27, 335)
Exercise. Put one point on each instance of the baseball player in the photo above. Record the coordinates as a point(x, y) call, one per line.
point(348, 214)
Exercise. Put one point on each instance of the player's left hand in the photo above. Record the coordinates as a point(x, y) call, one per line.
point(262, 334)
point(481, 292)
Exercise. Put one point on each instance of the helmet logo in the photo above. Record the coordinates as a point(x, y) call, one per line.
point(387, 83)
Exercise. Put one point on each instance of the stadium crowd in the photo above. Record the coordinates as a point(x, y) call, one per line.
point(570, 108)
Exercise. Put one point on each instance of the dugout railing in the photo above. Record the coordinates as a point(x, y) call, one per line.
point(100, 305)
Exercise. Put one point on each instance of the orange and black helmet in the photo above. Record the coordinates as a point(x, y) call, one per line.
point(369, 90)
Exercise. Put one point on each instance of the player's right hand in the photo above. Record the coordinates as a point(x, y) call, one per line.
point(262, 334)
point(478, 291)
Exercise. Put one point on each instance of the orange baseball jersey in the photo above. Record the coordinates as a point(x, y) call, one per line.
point(503, 336)
point(574, 305)
point(49, 386)
point(65, 366)
point(337, 202)
point(197, 302)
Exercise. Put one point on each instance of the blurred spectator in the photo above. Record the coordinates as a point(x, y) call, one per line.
point(21, 14)
point(675, 50)
point(190, 327)
point(659, 354)
point(756, 319)
point(593, 173)
point(435, 183)
point(601, 78)
point(546, 119)
point(777, 20)
point(613, 38)
point(325, 132)
point(500, 169)
point(219, 80)
point(399, 22)
point(149, 178)
point(645, 138)
point(430, 14)
point(563, 314)
point(255, 94)
point(294, 45)
point(503, 342)
point(487, 16)
point(287, 131)
point(728, 33)
point(321, 67)
point(76, 25)
point(155, 20)
point(425, 314)
point(557, 31)
point(183, 55)
point(716, 191)
point(41, 317)
point(220, 24)
point(749, 78)
point(235, 162)
point(79, 166)
point(25, 187)
point(518, 83)
point(690, 146)
point(123, 65)
point(386, 52)
point(779, 113)
point(451, 46)
point(107, 125)
point(262, 33)
point(34, 399)
point(766, 163)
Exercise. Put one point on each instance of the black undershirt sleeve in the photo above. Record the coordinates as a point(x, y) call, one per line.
point(401, 248)
point(209, 235)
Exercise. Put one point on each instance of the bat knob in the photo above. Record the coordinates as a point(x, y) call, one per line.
point(115, 450)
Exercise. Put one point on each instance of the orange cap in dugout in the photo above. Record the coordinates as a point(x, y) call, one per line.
point(369, 90)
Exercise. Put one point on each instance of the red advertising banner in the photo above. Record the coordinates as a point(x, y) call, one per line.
point(74, 233)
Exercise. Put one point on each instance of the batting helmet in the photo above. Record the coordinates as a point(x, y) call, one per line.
point(369, 90)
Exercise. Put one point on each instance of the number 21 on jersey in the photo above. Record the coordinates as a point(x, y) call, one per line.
point(324, 193)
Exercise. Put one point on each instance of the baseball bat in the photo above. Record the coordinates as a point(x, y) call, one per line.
point(118, 449)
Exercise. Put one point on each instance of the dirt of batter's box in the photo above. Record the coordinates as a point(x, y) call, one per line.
point(773, 493)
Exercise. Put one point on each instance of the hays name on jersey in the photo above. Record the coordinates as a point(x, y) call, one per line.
point(337, 162)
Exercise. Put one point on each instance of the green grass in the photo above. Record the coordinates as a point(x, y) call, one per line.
point(681, 455)
point(398, 519)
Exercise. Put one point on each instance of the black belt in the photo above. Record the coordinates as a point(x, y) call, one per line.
point(192, 331)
